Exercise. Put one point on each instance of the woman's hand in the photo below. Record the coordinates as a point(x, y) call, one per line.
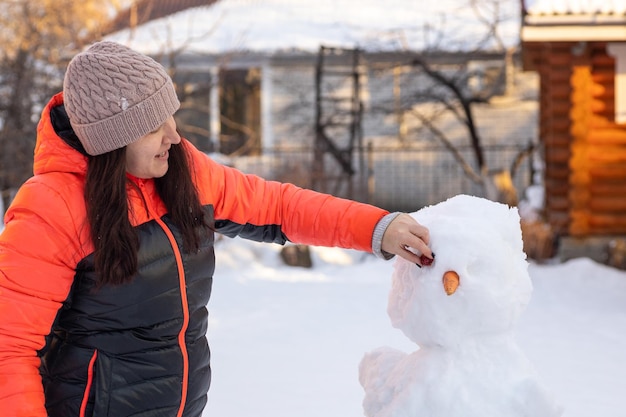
point(407, 238)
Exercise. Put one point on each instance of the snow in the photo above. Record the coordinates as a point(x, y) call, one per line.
point(288, 341)
point(539, 7)
point(466, 361)
point(270, 25)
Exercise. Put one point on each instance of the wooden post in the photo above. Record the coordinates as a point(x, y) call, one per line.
point(580, 180)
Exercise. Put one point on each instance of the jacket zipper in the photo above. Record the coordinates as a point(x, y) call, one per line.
point(183, 296)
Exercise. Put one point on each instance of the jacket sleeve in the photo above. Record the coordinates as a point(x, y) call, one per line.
point(254, 207)
point(35, 278)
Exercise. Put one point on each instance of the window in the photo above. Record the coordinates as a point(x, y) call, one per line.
point(240, 111)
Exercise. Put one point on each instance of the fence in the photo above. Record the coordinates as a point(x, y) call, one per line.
point(398, 179)
point(403, 179)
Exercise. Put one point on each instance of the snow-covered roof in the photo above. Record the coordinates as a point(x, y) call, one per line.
point(575, 7)
point(574, 20)
point(273, 25)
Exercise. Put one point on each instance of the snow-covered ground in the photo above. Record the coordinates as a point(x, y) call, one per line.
point(288, 341)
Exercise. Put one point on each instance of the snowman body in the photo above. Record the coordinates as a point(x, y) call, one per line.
point(468, 363)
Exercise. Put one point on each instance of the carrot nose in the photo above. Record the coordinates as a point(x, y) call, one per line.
point(450, 282)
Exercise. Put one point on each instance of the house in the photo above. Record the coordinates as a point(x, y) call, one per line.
point(579, 51)
point(345, 126)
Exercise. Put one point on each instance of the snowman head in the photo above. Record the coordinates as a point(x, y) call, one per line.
point(479, 282)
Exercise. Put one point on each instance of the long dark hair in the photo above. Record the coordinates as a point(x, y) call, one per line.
point(114, 238)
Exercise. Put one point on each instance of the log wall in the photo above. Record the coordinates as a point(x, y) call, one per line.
point(584, 149)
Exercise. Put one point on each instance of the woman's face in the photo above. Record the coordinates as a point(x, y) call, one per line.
point(148, 156)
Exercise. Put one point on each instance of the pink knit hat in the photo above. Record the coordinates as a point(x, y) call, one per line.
point(114, 95)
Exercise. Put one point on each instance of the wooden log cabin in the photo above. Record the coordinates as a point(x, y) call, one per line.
point(579, 52)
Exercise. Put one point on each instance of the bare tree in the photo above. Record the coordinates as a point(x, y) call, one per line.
point(37, 39)
point(445, 92)
point(455, 98)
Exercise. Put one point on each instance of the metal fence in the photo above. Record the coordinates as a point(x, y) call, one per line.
point(398, 179)
point(403, 179)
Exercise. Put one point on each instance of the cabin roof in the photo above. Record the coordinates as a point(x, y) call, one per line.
point(573, 20)
point(562, 8)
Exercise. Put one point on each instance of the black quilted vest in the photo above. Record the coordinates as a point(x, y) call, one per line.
point(121, 351)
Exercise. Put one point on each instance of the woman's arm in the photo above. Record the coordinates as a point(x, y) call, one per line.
point(35, 277)
point(252, 207)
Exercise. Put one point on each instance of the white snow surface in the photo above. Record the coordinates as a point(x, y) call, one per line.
point(288, 341)
point(272, 25)
point(563, 7)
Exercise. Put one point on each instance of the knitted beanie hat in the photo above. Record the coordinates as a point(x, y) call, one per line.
point(114, 95)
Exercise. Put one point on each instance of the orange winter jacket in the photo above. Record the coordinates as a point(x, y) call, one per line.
point(68, 349)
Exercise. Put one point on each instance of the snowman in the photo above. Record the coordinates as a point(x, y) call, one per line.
point(461, 312)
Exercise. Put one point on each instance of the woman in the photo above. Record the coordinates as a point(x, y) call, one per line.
point(106, 260)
